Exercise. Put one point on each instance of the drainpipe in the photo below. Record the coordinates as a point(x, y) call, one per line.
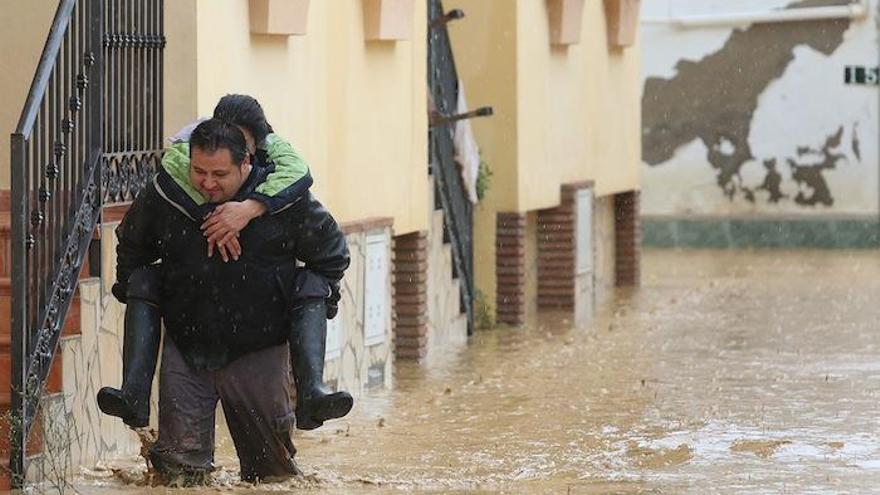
point(858, 10)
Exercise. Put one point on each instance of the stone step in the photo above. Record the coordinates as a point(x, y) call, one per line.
point(71, 322)
point(35, 439)
point(109, 215)
point(53, 381)
point(456, 296)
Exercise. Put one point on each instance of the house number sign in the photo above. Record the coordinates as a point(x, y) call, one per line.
point(859, 74)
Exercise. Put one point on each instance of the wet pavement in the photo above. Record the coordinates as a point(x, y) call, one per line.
point(726, 372)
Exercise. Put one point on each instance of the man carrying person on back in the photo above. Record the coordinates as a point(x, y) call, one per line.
point(228, 324)
point(287, 180)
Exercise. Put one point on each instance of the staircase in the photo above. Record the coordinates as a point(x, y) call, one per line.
point(449, 190)
point(85, 140)
point(54, 381)
point(447, 319)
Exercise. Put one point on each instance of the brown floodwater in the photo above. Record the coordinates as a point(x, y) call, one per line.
point(726, 372)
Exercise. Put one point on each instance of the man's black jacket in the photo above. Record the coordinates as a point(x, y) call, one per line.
point(215, 311)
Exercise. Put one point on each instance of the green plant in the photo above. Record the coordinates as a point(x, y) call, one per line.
point(484, 316)
point(484, 178)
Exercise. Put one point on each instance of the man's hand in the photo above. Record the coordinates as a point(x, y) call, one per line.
point(222, 226)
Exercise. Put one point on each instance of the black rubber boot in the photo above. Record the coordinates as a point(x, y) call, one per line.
point(140, 350)
point(314, 402)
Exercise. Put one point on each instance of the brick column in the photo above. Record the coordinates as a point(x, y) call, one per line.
point(510, 268)
point(557, 250)
point(627, 239)
point(411, 295)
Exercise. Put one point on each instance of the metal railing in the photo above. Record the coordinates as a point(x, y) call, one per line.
point(133, 96)
point(89, 135)
point(458, 214)
point(56, 150)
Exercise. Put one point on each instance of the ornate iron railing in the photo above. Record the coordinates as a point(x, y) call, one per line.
point(56, 151)
point(90, 134)
point(133, 96)
point(449, 188)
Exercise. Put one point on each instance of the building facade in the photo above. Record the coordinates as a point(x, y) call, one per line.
point(345, 82)
point(563, 147)
point(760, 123)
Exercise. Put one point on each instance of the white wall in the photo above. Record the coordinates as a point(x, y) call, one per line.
point(802, 108)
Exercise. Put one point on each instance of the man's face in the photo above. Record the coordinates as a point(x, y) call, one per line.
point(215, 175)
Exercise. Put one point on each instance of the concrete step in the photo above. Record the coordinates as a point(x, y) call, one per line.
point(71, 322)
point(111, 214)
point(448, 263)
point(436, 234)
point(456, 295)
point(53, 381)
point(34, 443)
point(35, 440)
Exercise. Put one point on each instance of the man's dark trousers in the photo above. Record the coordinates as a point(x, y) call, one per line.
point(254, 391)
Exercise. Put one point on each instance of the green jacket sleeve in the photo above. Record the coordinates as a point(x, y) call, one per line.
point(176, 163)
point(288, 181)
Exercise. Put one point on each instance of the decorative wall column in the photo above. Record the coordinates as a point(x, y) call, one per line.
point(510, 268)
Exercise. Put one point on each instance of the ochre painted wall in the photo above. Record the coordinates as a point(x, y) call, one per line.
point(578, 107)
point(484, 44)
point(24, 27)
point(562, 114)
point(181, 76)
point(355, 110)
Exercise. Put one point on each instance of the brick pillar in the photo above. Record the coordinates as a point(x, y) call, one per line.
point(557, 250)
point(627, 239)
point(510, 268)
point(411, 295)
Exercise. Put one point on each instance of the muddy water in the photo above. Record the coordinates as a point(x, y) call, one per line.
point(727, 372)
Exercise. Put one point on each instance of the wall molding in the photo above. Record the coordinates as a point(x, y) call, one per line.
point(768, 232)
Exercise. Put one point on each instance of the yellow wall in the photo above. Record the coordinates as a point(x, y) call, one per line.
point(24, 27)
point(614, 107)
point(181, 77)
point(356, 110)
point(562, 114)
point(484, 45)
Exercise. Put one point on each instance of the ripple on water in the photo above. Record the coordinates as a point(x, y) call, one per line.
point(747, 372)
